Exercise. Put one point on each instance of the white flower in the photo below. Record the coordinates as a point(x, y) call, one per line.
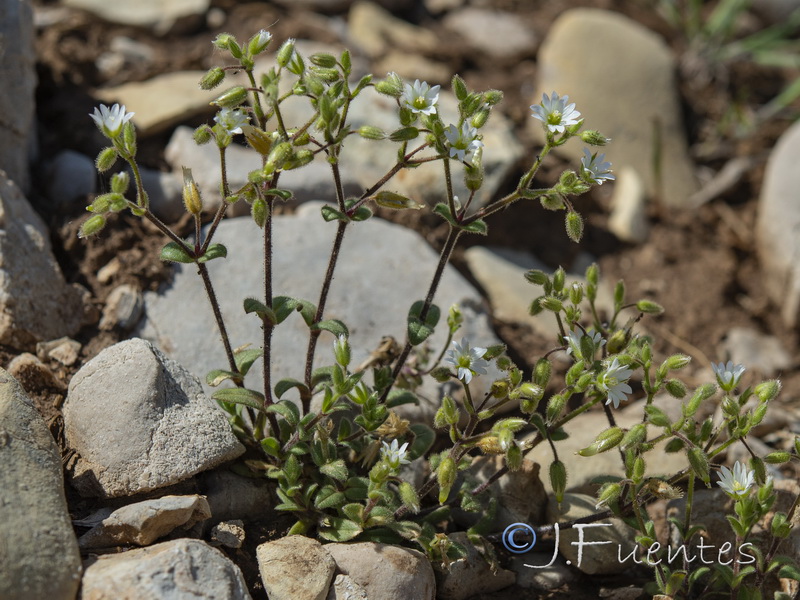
point(594, 169)
point(463, 142)
point(420, 98)
point(110, 121)
point(260, 41)
point(573, 341)
point(613, 382)
point(738, 482)
point(555, 113)
point(231, 120)
point(394, 455)
point(728, 374)
point(468, 361)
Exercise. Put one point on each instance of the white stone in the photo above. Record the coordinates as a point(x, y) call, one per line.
point(71, 175)
point(628, 219)
point(777, 225)
point(510, 38)
point(621, 77)
point(39, 555)
point(295, 568)
point(374, 30)
point(165, 192)
point(123, 308)
point(142, 523)
point(139, 421)
point(386, 572)
point(65, 350)
point(176, 570)
point(344, 588)
point(152, 14)
point(36, 303)
point(382, 270)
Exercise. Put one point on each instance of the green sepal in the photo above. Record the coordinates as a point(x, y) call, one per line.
point(213, 251)
point(173, 252)
point(340, 530)
point(284, 385)
point(335, 326)
point(245, 358)
point(239, 395)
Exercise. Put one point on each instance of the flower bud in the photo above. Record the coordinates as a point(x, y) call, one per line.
point(441, 374)
point(259, 42)
point(576, 294)
point(451, 413)
point(551, 202)
point(480, 118)
point(395, 201)
point(212, 78)
point(499, 389)
point(232, 97)
point(618, 341)
point(490, 444)
point(280, 154)
point(341, 350)
point(649, 307)
point(202, 135)
point(558, 479)
point(776, 458)
point(634, 436)
point(258, 210)
point(92, 225)
point(259, 140)
point(492, 97)
point(446, 475)
point(106, 159)
point(574, 225)
point(676, 388)
point(223, 41)
point(551, 303)
point(768, 390)
point(369, 132)
point(285, 52)
point(120, 182)
point(459, 87)
point(542, 372)
point(191, 194)
point(559, 278)
point(323, 59)
point(699, 463)
point(391, 86)
point(514, 458)
point(537, 277)
point(473, 175)
point(555, 406)
point(409, 496)
point(608, 493)
point(594, 138)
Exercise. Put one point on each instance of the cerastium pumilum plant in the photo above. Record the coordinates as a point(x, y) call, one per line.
point(341, 475)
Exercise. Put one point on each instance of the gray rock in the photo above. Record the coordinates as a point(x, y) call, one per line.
point(778, 221)
point(139, 421)
point(755, 350)
point(18, 73)
point(470, 575)
point(616, 539)
point(123, 308)
point(295, 568)
point(36, 303)
point(228, 533)
point(413, 66)
point(64, 350)
point(313, 181)
point(440, 6)
point(344, 588)
point(177, 570)
point(620, 75)
point(233, 497)
point(583, 430)
point(374, 31)
point(39, 555)
point(142, 523)
point(777, 11)
point(501, 273)
point(545, 578)
point(165, 191)
point(71, 175)
point(163, 101)
point(628, 219)
point(382, 270)
point(123, 53)
point(509, 39)
point(31, 372)
point(386, 572)
point(157, 15)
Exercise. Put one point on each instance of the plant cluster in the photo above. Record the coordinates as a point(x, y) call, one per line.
point(339, 469)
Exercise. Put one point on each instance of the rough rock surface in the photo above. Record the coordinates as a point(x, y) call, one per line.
point(178, 570)
point(153, 14)
point(139, 421)
point(386, 572)
point(38, 551)
point(620, 75)
point(470, 575)
point(295, 568)
point(36, 304)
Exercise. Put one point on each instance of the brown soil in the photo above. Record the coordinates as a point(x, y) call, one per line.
point(709, 277)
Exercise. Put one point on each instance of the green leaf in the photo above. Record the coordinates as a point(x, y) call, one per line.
point(288, 410)
point(362, 213)
point(251, 305)
point(243, 396)
point(335, 326)
point(340, 530)
point(419, 331)
point(404, 134)
point(331, 214)
point(214, 251)
point(173, 252)
point(217, 376)
point(284, 306)
point(328, 497)
point(398, 397)
point(443, 211)
point(284, 385)
point(477, 226)
point(321, 375)
point(271, 446)
point(282, 194)
point(699, 463)
point(789, 572)
point(424, 437)
point(245, 358)
point(335, 469)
